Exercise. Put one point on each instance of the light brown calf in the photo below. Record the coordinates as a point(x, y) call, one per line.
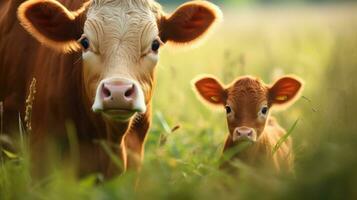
point(248, 102)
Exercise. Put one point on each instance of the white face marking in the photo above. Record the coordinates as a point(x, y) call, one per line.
point(137, 106)
point(120, 40)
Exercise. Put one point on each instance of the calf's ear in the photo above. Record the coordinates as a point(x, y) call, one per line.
point(211, 90)
point(53, 24)
point(189, 22)
point(284, 91)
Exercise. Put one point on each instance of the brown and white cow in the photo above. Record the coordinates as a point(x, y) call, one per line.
point(95, 69)
point(248, 102)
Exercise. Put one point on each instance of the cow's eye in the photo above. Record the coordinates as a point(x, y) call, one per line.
point(264, 110)
point(228, 109)
point(155, 46)
point(84, 42)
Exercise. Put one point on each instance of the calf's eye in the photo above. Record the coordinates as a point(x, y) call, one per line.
point(84, 42)
point(228, 109)
point(155, 45)
point(264, 110)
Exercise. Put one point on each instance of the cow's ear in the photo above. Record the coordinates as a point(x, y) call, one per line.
point(53, 24)
point(285, 90)
point(189, 22)
point(211, 90)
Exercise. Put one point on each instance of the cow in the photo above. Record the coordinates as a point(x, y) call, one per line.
point(94, 65)
point(248, 101)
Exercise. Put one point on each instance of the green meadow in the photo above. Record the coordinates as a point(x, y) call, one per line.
point(317, 43)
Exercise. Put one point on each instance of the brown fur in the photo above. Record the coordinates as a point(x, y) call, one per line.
point(61, 99)
point(260, 153)
point(62, 36)
point(245, 96)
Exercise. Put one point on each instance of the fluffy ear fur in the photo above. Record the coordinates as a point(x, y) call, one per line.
point(285, 91)
point(189, 22)
point(52, 24)
point(211, 90)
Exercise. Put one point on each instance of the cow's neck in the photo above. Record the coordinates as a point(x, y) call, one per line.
point(113, 130)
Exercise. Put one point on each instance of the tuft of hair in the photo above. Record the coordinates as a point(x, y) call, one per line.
point(61, 46)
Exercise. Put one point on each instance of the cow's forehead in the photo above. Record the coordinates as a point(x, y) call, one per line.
point(116, 8)
point(113, 27)
point(122, 3)
point(121, 19)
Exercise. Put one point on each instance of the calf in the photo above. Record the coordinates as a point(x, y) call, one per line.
point(94, 62)
point(248, 102)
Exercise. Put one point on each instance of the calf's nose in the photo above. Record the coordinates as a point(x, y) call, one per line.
point(244, 131)
point(241, 133)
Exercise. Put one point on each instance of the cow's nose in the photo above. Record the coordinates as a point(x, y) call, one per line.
point(118, 91)
point(241, 133)
point(118, 95)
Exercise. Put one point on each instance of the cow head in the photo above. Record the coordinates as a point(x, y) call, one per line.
point(120, 41)
point(247, 102)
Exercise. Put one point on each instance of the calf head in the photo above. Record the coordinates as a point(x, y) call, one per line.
point(119, 41)
point(247, 102)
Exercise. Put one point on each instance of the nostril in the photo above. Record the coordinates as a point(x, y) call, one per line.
point(239, 133)
point(250, 133)
point(106, 92)
point(130, 91)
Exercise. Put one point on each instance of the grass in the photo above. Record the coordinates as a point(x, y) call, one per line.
point(183, 150)
point(284, 137)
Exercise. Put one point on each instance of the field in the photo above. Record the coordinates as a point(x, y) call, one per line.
point(316, 43)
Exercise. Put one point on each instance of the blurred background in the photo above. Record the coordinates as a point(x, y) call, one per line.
point(313, 39)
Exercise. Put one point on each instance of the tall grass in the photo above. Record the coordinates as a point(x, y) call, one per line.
point(185, 143)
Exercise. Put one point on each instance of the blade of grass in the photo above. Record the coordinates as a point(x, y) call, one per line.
point(284, 137)
point(163, 122)
point(21, 131)
point(9, 154)
point(89, 181)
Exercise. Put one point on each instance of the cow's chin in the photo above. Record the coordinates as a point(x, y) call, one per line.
point(120, 115)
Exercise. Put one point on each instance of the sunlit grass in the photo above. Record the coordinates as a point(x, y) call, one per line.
point(184, 147)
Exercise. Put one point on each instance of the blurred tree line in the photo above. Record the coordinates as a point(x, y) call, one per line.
point(259, 1)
